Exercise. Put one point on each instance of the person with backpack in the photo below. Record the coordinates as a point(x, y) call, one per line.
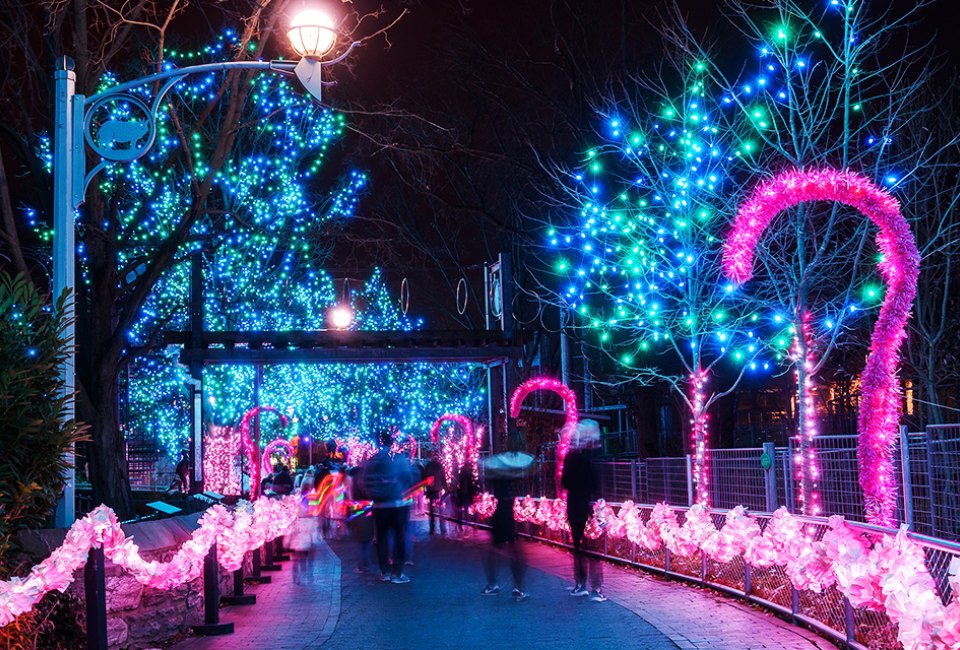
point(385, 478)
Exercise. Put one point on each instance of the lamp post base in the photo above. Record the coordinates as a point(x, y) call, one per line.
point(213, 629)
point(259, 580)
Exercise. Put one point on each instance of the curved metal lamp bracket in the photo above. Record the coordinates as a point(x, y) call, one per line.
point(129, 138)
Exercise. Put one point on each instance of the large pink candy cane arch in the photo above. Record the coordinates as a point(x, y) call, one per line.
point(880, 400)
point(249, 449)
point(466, 424)
point(569, 405)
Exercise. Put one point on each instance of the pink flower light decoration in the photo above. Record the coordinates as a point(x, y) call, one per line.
point(483, 506)
point(569, 405)
point(880, 403)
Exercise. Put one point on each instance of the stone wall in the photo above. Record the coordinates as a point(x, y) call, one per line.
point(138, 616)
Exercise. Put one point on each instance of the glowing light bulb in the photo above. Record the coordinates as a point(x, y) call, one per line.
point(341, 317)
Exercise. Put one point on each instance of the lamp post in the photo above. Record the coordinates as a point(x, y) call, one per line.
point(81, 122)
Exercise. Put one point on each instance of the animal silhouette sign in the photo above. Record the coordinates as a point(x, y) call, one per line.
point(117, 134)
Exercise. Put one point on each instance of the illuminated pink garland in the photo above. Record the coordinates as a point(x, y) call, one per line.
point(274, 447)
point(699, 438)
point(455, 453)
point(235, 532)
point(880, 400)
point(889, 575)
point(250, 449)
point(569, 405)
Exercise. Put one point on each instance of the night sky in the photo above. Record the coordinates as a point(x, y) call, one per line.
point(479, 86)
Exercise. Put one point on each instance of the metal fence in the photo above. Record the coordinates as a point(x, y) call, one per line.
point(763, 479)
point(943, 480)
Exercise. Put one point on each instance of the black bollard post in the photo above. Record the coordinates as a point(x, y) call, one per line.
point(256, 576)
point(279, 554)
point(238, 597)
point(268, 563)
point(95, 593)
point(211, 625)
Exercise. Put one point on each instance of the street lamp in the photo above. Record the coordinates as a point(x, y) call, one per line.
point(312, 35)
point(81, 122)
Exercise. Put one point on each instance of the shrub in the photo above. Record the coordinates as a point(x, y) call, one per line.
point(33, 440)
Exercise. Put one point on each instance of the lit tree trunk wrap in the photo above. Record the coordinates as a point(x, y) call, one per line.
point(700, 438)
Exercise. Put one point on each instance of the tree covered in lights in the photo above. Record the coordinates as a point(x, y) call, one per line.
point(320, 400)
point(639, 260)
point(241, 169)
point(641, 264)
point(829, 89)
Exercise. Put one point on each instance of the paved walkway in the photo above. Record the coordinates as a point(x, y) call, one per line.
point(442, 608)
point(298, 609)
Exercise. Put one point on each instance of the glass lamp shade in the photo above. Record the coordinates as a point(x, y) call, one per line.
point(311, 33)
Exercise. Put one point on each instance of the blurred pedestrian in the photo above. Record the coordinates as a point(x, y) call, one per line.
point(183, 472)
point(579, 479)
point(435, 492)
point(464, 494)
point(301, 541)
point(360, 520)
point(503, 473)
point(386, 477)
point(308, 483)
point(282, 481)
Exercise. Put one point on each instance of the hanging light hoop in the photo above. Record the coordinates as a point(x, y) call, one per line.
point(404, 296)
point(462, 287)
point(495, 296)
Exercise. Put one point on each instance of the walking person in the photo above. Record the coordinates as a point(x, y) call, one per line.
point(360, 521)
point(301, 541)
point(435, 492)
point(183, 472)
point(282, 481)
point(579, 479)
point(503, 473)
point(385, 479)
point(464, 494)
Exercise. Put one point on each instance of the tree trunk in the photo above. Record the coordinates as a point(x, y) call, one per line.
point(931, 398)
point(98, 364)
point(108, 459)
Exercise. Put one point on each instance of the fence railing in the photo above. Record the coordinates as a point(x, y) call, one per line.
point(763, 479)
